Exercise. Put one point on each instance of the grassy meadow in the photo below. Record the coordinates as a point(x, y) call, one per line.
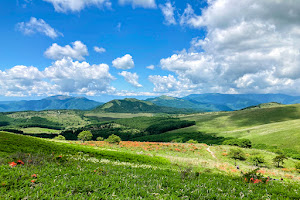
point(99, 170)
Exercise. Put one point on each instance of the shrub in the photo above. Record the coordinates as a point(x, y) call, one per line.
point(60, 137)
point(100, 139)
point(85, 136)
point(192, 141)
point(113, 139)
point(237, 154)
point(244, 143)
point(297, 166)
point(256, 159)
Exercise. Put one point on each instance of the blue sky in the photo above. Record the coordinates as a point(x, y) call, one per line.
point(195, 46)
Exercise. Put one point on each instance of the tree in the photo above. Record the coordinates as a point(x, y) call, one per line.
point(85, 136)
point(113, 139)
point(99, 138)
point(279, 159)
point(256, 159)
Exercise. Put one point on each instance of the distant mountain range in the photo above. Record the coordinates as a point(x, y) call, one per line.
point(222, 102)
point(163, 104)
point(50, 103)
point(131, 105)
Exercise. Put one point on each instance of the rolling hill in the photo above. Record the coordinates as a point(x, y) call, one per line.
point(50, 103)
point(274, 126)
point(131, 105)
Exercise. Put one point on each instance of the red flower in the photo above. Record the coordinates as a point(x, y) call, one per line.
point(246, 179)
point(251, 179)
point(33, 181)
point(20, 162)
point(13, 164)
point(34, 175)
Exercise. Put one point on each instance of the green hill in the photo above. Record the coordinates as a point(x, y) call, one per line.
point(275, 126)
point(263, 105)
point(131, 105)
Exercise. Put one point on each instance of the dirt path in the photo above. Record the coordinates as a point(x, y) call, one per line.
point(212, 153)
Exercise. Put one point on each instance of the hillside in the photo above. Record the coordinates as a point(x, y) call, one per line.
point(181, 171)
point(276, 126)
point(131, 105)
point(49, 103)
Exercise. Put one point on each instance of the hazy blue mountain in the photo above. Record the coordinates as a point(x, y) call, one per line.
point(240, 101)
point(131, 105)
point(189, 104)
point(50, 103)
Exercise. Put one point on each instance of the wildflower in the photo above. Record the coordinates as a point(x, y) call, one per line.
point(34, 175)
point(13, 164)
point(20, 162)
point(33, 181)
point(246, 179)
point(251, 179)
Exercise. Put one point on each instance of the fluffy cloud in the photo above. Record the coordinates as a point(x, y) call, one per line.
point(76, 77)
point(22, 81)
point(150, 67)
point(62, 77)
point(131, 78)
point(125, 62)
point(35, 25)
point(139, 3)
point(168, 12)
point(77, 5)
point(99, 49)
point(250, 46)
point(77, 51)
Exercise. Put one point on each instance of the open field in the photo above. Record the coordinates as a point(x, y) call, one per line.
point(94, 170)
point(275, 126)
point(37, 130)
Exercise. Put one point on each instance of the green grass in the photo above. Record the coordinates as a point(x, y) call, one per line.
point(79, 176)
point(38, 130)
point(274, 126)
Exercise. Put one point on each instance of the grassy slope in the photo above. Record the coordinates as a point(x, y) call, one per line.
point(77, 176)
point(272, 126)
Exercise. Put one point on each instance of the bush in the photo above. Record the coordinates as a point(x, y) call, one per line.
point(297, 166)
point(60, 137)
point(237, 154)
point(85, 136)
point(192, 141)
point(244, 143)
point(256, 159)
point(113, 139)
point(100, 139)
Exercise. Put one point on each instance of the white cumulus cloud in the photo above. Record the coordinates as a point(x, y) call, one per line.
point(168, 12)
point(62, 77)
point(99, 49)
point(250, 46)
point(77, 51)
point(35, 25)
point(131, 78)
point(79, 77)
point(139, 3)
point(125, 62)
point(77, 5)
